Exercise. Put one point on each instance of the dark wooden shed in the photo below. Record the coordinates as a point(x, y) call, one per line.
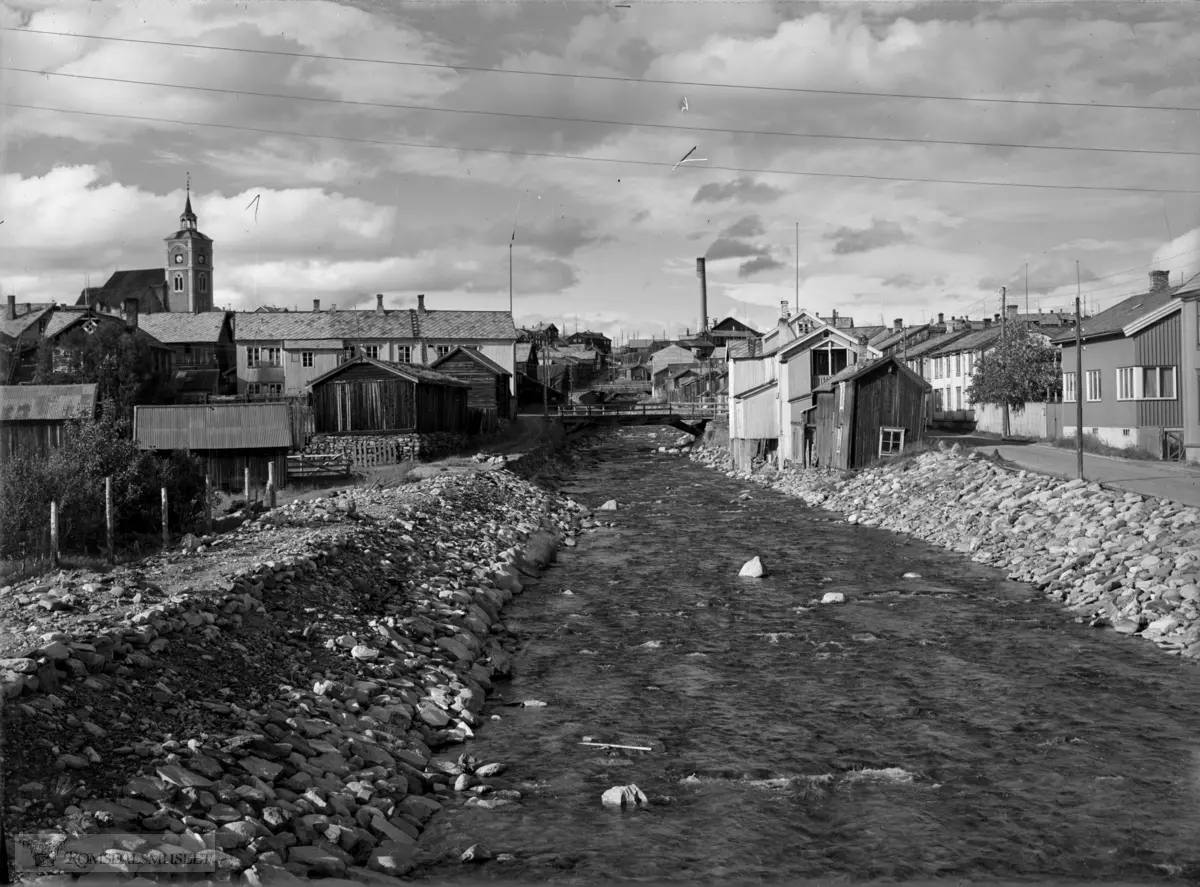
point(33, 417)
point(865, 413)
point(368, 396)
point(489, 398)
point(229, 437)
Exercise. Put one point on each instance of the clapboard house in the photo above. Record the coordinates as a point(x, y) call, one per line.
point(228, 437)
point(865, 413)
point(368, 396)
point(489, 397)
point(33, 418)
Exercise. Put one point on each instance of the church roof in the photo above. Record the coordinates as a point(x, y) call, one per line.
point(144, 284)
point(184, 233)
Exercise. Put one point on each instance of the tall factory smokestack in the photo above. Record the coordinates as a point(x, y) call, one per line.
point(703, 294)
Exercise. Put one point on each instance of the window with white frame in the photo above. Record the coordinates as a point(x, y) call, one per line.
point(958, 364)
point(262, 357)
point(307, 359)
point(1091, 383)
point(891, 441)
point(1158, 383)
point(1068, 388)
point(443, 350)
point(1127, 382)
point(268, 389)
point(937, 368)
point(371, 351)
point(404, 353)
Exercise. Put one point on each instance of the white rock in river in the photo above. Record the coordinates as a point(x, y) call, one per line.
point(610, 505)
point(753, 568)
point(833, 597)
point(624, 796)
point(911, 576)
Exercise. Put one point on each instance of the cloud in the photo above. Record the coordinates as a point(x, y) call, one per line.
point(758, 265)
point(879, 234)
point(748, 226)
point(726, 248)
point(742, 188)
point(562, 237)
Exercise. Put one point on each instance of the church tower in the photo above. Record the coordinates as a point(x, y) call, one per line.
point(189, 276)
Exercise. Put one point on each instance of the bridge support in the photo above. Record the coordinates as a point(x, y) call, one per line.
point(696, 430)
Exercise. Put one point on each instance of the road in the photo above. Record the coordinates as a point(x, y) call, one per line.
point(1164, 480)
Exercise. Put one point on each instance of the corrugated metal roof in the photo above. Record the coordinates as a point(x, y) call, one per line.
point(482, 359)
point(225, 426)
point(46, 403)
point(184, 329)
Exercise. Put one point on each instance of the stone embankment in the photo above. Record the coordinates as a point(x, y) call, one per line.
point(1118, 559)
point(283, 716)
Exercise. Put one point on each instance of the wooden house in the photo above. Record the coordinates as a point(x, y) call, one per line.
point(865, 413)
point(229, 437)
point(489, 398)
point(205, 354)
point(368, 396)
point(33, 417)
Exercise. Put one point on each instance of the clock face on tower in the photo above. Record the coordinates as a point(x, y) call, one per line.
point(178, 258)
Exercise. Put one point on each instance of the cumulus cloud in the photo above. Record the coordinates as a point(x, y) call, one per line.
point(747, 226)
point(878, 234)
point(727, 248)
point(742, 188)
point(758, 265)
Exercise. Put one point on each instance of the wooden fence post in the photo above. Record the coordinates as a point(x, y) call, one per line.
point(166, 533)
point(271, 484)
point(109, 530)
point(246, 484)
point(208, 504)
point(54, 534)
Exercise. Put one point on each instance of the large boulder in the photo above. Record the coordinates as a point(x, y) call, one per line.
point(753, 568)
point(622, 796)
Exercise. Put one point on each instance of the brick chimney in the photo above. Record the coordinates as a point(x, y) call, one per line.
point(898, 324)
point(379, 303)
point(860, 352)
point(941, 317)
point(784, 310)
point(421, 303)
point(131, 312)
point(316, 304)
point(987, 322)
point(996, 317)
point(12, 307)
point(1159, 280)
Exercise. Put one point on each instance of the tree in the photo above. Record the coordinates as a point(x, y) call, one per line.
point(1022, 368)
point(118, 361)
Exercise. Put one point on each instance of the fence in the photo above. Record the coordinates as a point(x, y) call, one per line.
point(1036, 420)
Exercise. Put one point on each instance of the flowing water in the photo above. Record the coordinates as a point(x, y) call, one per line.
point(950, 726)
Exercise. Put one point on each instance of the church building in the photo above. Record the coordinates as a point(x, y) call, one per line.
point(183, 286)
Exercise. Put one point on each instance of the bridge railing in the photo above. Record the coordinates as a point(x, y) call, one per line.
point(682, 410)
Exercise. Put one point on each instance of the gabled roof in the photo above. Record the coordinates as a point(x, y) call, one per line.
point(758, 389)
point(1130, 314)
point(466, 325)
point(14, 328)
point(976, 340)
point(217, 426)
point(410, 371)
point(732, 324)
point(793, 347)
point(523, 351)
point(185, 329)
point(856, 370)
point(143, 284)
point(64, 318)
point(482, 359)
point(870, 332)
point(46, 403)
point(897, 337)
point(684, 372)
point(270, 326)
point(933, 343)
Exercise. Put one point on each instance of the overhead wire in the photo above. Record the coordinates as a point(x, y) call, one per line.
point(599, 121)
point(616, 160)
point(604, 77)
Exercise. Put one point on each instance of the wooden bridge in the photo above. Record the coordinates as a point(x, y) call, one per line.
point(689, 417)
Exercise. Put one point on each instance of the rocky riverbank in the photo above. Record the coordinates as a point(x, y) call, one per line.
point(286, 715)
point(1119, 560)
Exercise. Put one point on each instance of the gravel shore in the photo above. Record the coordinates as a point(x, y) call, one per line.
point(1119, 560)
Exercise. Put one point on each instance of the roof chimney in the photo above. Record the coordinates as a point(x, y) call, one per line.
point(987, 322)
point(1159, 280)
point(421, 303)
point(898, 324)
point(784, 311)
point(316, 304)
point(941, 317)
point(379, 303)
point(131, 312)
point(12, 307)
point(996, 317)
point(861, 351)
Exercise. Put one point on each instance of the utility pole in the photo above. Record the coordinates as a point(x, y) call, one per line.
point(1003, 353)
point(797, 267)
point(1078, 379)
point(1026, 287)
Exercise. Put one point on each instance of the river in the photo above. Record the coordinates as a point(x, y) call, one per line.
point(950, 726)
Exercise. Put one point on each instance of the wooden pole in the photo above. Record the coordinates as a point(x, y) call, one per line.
point(109, 530)
point(1003, 355)
point(208, 504)
point(246, 484)
point(54, 534)
point(271, 484)
point(1078, 379)
point(166, 531)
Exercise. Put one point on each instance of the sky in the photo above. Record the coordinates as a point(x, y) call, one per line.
point(407, 193)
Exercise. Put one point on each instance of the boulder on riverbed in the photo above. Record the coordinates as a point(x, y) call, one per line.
point(753, 568)
point(622, 796)
point(610, 505)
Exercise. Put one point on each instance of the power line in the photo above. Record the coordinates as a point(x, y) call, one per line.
point(553, 117)
point(618, 160)
point(607, 78)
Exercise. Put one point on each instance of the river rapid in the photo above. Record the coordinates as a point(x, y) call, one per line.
point(952, 726)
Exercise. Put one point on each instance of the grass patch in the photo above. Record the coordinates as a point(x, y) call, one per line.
point(1094, 445)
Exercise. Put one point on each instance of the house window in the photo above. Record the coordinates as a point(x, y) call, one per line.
point(202, 282)
point(1126, 383)
point(371, 351)
point(443, 350)
point(1158, 383)
point(1068, 388)
point(937, 368)
point(349, 353)
point(891, 441)
point(404, 353)
point(958, 398)
point(265, 389)
point(178, 283)
point(307, 359)
point(958, 364)
point(1091, 381)
point(262, 357)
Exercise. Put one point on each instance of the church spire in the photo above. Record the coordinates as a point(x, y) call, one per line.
point(188, 219)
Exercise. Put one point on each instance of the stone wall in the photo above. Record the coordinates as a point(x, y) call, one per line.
point(387, 449)
point(1120, 560)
